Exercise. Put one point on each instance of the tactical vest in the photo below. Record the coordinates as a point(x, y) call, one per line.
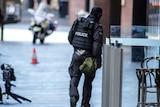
point(83, 38)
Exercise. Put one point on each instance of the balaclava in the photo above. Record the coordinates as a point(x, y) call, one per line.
point(96, 12)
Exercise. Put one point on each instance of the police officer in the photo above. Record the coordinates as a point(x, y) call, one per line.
point(84, 46)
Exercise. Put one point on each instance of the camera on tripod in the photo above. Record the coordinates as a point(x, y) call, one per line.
point(8, 76)
point(8, 72)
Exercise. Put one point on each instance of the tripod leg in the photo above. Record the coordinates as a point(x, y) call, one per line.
point(15, 97)
point(18, 96)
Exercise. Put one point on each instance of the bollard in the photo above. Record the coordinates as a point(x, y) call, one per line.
point(106, 75)
point(112, 76)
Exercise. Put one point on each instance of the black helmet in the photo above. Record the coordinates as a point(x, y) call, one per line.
point(97, 12)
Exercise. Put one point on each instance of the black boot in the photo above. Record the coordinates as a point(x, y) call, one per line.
point(73, 102)
point(87, 105)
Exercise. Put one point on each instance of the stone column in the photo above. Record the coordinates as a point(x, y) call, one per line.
point(105, 5)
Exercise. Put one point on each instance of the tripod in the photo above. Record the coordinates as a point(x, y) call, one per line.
point(13, 95)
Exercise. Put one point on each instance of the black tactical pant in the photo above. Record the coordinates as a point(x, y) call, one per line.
point(75, 75)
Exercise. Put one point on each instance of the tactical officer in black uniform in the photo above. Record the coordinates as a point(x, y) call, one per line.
point(86, 38)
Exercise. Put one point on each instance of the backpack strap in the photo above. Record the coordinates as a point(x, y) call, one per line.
point(75, 24)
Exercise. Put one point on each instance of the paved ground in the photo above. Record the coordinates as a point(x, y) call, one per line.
point(21, 33)
point(47, 82)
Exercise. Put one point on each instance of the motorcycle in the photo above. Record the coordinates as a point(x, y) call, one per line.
point(42, 24)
